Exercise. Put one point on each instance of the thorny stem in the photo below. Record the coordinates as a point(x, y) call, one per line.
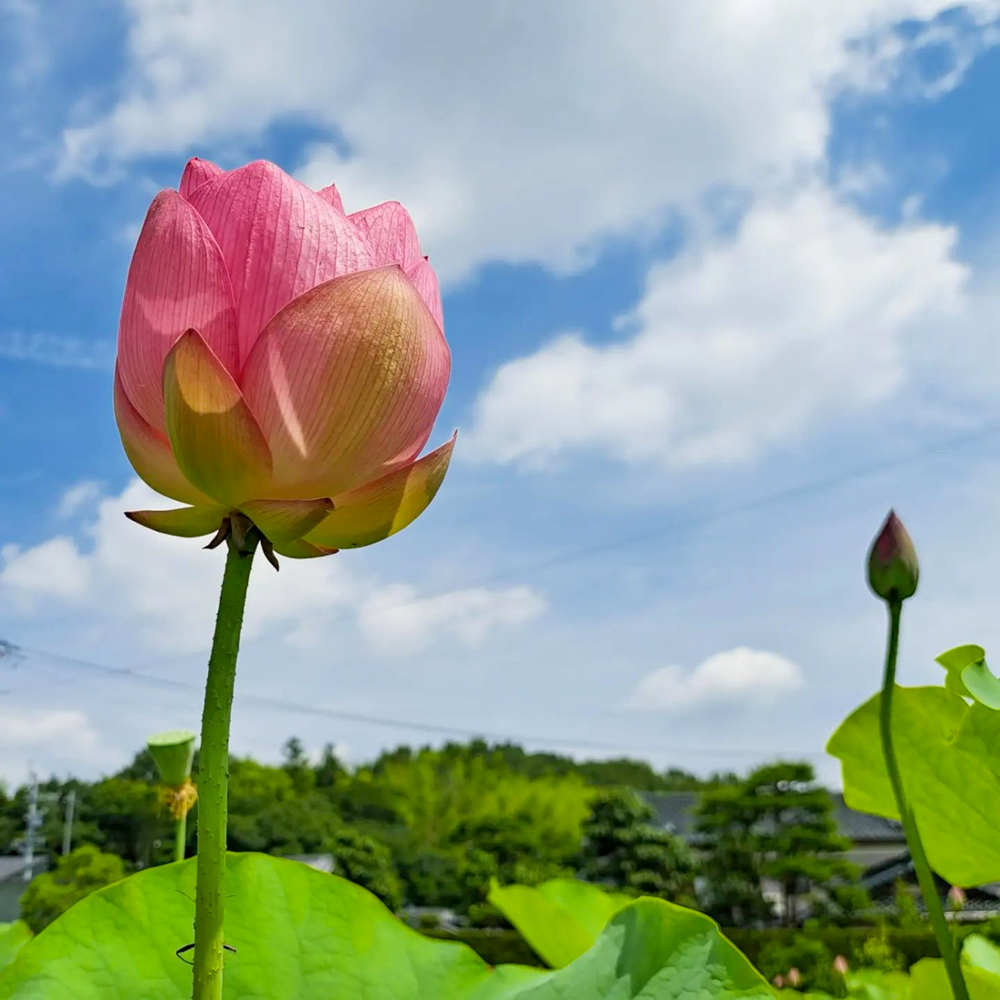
point(213, 770)
point(180, 837)
point(925, 877)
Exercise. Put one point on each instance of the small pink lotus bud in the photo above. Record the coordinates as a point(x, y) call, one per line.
point(778, 981)
point(893, 571)
point(794, 977)
point(840, 965)
point(956, 897)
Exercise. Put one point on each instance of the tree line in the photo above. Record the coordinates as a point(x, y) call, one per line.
point(432, 827)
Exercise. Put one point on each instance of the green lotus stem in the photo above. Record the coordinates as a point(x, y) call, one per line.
point(925, 877)
point(213, 770)
point(180, 838)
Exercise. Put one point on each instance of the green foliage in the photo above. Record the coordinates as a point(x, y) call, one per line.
point(434, 791)
point(366, 862)
point(327, 937)
point(878, 953)
point(75, 877)
point(730, 866)
point(949, 753)
point(559, 919)
point(810, 956)
point(776, 823)
point(622, 849)
point(840, 905)
point(907, 913)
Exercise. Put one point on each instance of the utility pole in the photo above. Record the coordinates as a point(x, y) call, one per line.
point(68, 821)
point(33, 822)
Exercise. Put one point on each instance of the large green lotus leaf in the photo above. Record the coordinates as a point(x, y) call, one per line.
point(949, 754)
point(873, 984)
point(13, 937)
point(929, 981)
point(969, 676)
point(560, 919)
point(301, 934)
point(981, 953)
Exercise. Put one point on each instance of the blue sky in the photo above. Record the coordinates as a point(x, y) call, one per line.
point(720, 286)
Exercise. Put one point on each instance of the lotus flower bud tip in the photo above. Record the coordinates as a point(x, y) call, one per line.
point(893, 570)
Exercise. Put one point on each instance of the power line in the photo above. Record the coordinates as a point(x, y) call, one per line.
point(721, 513)
point(298, 708)
point(11, 651)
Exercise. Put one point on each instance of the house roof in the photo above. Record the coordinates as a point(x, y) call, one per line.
point(675, 811)
point(14, 864)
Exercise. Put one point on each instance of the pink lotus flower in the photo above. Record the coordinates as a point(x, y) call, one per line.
point(841, 966)
point(281, 359)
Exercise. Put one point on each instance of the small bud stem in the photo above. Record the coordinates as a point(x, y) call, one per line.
point(213, 769)
point(180, 837)
point(925, 877)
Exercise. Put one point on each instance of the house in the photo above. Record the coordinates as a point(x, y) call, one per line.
point(878, 848)
point(874, 839)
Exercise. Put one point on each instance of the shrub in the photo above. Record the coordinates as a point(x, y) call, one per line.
point(75, 876)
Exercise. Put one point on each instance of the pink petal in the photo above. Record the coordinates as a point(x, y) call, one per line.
point(177, 280)
point(286, 520)
point(426, 283)
point(214, 436)
point(279, 239)
point(346, 382)
point(332, 197)
point(149, 452)
point(196, 173)
point(390, 233)
point(380, 509)
point(185, 522)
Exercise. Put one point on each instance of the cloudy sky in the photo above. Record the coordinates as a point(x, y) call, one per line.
point(721, 286)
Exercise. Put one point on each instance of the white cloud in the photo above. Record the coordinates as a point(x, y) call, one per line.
point(165, 590)
point(78, 497)
point(811, 311)
point(34, 728)
point(397, 621)
point(56, 350)
point(737, 677)
point(513, 133)
point(54, 568)
point(53, 740)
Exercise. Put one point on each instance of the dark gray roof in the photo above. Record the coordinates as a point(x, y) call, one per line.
point(15, 865)
point(675, 811)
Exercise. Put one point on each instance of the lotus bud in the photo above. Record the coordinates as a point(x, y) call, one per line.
point(840, 965)
point(893, 570)
point(794, 977)
point(280, 364)
point(956, 897)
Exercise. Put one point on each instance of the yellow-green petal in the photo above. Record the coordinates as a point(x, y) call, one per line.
point(287, 520)
point(214, 436)
point(185, 522)
point(381, 508)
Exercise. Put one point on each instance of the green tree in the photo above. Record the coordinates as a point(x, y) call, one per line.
point(329, 771)
point(729, 870)
point(296, 765)
point(365, 861)
point(798, 839)
point(778, 824)
point(75, 876)
point(622, 848)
